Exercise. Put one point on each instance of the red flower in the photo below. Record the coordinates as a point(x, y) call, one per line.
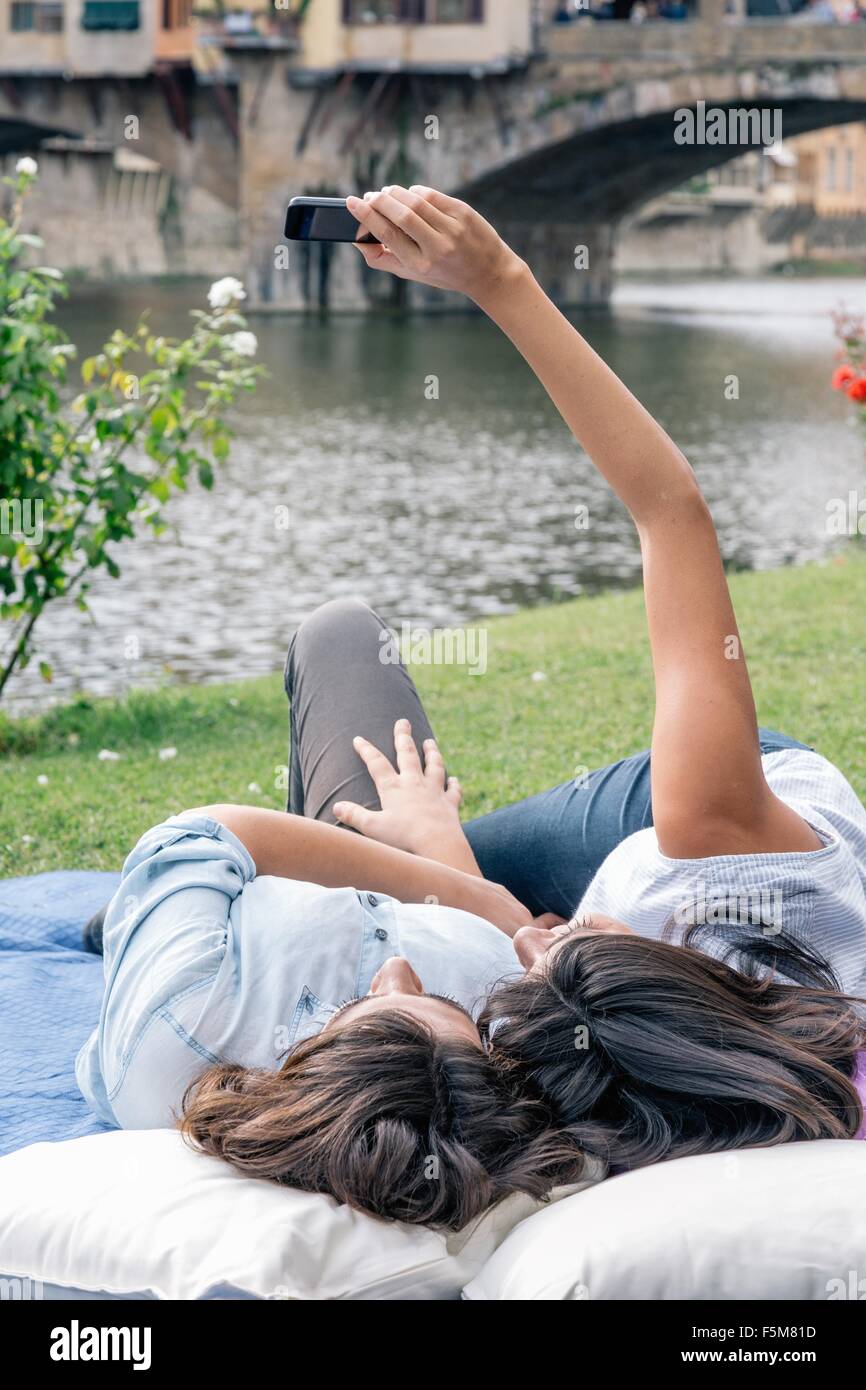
point(857, 390)
point(842, 376)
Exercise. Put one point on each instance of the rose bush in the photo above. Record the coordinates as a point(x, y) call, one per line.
point(81, 473)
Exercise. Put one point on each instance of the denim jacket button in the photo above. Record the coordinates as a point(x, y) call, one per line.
point(381, 934)
point(372, 900)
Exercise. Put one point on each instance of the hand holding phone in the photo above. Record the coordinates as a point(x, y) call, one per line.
point(323, 219)
point(437, 240)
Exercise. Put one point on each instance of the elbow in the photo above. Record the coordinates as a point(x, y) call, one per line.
point(681, 504)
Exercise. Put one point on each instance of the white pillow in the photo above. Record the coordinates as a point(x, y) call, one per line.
point(138, 1212)
point(786, 1223)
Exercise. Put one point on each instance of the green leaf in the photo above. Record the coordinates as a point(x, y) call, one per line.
point(46, 672)
point(160, 489)
point(161, 419)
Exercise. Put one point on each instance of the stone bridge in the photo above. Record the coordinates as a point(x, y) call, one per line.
point(555, 149)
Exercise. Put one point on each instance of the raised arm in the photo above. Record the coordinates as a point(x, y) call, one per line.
point(708, 787)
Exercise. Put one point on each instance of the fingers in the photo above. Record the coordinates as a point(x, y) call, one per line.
point(403, 210)
point(549, 920)
point(372, 252)
point(452, 207)
point(356, 817)
point(412, 236)
point(434, 771)
point(415, 199)
point(434, 766)
point(375, 762)
point(380, 258)
point(407, 754)
point(372, 212)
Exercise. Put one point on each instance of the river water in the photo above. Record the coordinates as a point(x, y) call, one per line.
point(443, 510)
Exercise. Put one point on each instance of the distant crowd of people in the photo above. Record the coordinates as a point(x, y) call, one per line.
point(634, 10)
point(638, 11)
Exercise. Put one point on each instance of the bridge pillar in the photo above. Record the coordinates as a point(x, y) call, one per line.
point(572, 262)
point(574, 268)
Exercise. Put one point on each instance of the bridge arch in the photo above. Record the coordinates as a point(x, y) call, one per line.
point(20, 135)
point(607, 169)
point(568, 181)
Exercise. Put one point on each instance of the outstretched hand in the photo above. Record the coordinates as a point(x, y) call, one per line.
point(420, 813)
point(420, 806)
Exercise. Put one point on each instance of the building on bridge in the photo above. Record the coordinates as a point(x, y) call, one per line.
point(804, 200)
point(173, 145)
point(94, 37)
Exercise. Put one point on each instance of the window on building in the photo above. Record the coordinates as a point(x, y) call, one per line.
point(51, 17)
point(456, 11)
point(36, 16)
point(22, 18)
point(111, 14)
point(376, 11)
point(831, 171)
point(849, 171)
point(413, 11)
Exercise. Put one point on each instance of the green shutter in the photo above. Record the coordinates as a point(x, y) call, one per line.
point(111, 14)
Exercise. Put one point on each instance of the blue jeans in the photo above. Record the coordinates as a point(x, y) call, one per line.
point(544, 849)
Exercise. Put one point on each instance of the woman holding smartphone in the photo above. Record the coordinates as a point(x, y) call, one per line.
point(700, 997)
point(310, 1004)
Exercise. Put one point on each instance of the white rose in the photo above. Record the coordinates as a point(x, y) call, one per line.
point(223, 292)
point(244, 344)
point(27, 166)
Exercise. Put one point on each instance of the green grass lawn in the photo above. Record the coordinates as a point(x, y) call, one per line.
point(505, 734)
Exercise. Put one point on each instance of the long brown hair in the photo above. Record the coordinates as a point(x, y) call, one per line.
point(385, 1116)
point(645, 1050)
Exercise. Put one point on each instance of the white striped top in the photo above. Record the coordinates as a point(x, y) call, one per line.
point(817, 898)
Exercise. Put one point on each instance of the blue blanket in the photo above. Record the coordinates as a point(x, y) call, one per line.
point(50, 992)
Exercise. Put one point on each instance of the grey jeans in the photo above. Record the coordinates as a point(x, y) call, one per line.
point(340, 684)
point(545, 849)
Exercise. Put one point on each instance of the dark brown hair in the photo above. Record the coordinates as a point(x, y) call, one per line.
point(385, 1116)
point(646, 1050)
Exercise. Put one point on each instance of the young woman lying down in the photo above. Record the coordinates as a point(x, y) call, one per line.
point(404, 1018)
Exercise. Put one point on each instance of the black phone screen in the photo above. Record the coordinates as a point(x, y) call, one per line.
point(311, 223)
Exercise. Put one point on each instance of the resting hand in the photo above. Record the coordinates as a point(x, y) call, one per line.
point(434, 239)
point(420, 808)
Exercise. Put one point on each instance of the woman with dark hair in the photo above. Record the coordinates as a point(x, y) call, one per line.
point(644, 1049)
point(302, 1001)
point(306, 1002)
point(701, 995)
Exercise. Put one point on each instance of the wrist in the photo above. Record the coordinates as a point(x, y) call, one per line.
point(511, 276)
point(495, 904)
point(450, 847)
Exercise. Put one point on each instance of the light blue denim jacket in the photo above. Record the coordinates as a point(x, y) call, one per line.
point(205, 962)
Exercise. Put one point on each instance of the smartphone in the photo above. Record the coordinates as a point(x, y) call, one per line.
point(322, 219)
